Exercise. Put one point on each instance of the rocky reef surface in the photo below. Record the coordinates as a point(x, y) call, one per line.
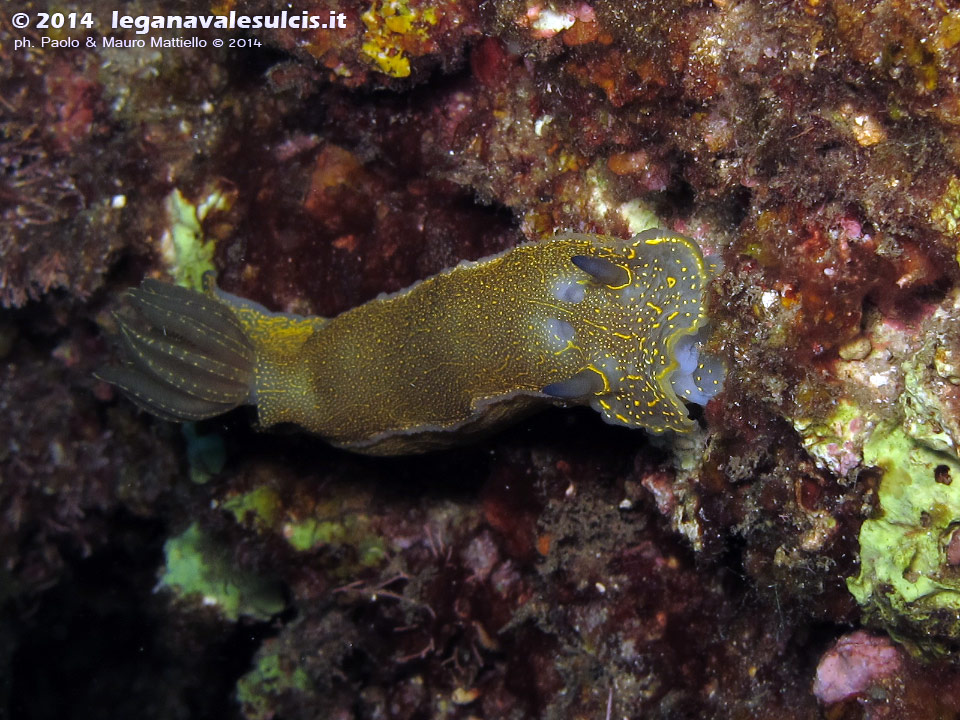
point(799, 557)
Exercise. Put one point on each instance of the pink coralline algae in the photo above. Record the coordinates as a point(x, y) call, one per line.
point(855, 665)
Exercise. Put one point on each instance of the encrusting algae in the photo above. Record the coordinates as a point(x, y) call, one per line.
point(578, 319)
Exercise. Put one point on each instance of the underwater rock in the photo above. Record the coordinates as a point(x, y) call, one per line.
point(853, 665)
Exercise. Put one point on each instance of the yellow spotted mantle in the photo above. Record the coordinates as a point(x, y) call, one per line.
point(577, 319)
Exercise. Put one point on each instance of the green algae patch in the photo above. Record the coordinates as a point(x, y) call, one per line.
point(907, 581)
point(339, 528)
point(272, 676)
point(946, 213)
point(350, 531)
point(312, 533)
point(199, 567)
point(260, 508)
point(186, 252)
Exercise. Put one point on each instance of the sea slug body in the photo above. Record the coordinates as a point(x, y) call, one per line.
point(577, 319)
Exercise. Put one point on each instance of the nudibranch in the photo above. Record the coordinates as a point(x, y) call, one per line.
point(577, 319)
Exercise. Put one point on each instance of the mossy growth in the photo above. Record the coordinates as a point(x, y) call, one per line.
point(272, 675)
point(259, 508)
point(946, 213)
point(339, 526)
point(350, 531)
point(392, 29)
point(187, 253)
point(909, 580)
point(199, 567)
